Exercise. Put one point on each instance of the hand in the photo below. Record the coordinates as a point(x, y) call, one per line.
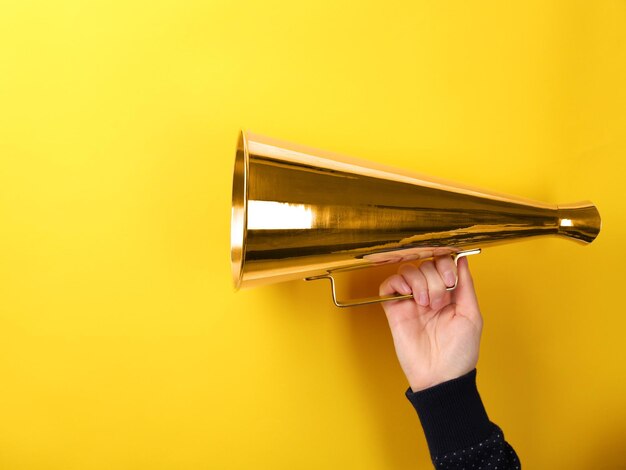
point(437, 333)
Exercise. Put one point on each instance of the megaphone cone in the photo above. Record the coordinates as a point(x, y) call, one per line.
point(302, 213)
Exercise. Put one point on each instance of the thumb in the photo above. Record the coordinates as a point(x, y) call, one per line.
point(464, 294)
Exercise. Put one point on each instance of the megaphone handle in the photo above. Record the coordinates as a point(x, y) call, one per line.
point(383, 298)
point(456, 257)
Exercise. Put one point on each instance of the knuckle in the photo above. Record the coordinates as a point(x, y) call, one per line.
point(445, 262)
point(385, 286)
point(427, 265)
point(406, 268)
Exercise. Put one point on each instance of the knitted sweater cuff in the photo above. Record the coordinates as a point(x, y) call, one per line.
point(452, 414)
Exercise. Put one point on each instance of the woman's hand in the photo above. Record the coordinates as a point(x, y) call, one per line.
point(437, 333)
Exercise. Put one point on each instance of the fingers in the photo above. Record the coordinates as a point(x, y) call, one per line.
point(394, 284)
point(447, 270)
point(416, 279)
point(430, 281)
point(465, 294)
point(437, 292)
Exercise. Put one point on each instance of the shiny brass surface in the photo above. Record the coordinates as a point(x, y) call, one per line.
point(299, 213)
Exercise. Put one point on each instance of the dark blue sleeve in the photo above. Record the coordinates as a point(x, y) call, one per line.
point(458, 430)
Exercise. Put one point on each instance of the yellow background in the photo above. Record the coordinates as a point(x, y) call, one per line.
point(122, 343)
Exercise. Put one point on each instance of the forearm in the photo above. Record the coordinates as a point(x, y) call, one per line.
point(457, 428)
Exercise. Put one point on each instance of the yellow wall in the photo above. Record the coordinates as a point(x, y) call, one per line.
point(122, 343)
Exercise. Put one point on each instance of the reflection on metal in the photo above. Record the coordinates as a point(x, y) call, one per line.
point(299, 213)
point(272, 215)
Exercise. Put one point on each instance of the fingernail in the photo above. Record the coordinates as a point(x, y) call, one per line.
point(423, 299)
point(406, 289)
point(449, 278)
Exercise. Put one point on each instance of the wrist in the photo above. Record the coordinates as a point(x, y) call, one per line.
point(419, 383)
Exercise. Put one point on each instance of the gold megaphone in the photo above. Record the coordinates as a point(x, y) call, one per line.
point(304, 213)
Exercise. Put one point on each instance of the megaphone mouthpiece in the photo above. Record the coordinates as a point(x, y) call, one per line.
point(579, 221)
